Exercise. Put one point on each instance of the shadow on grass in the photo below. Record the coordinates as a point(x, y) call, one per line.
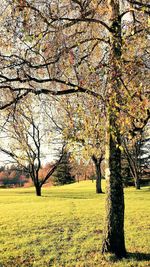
point(138, 256)
point(59, 194)
point(71, 195)
point(13, 193)
point(130, 256)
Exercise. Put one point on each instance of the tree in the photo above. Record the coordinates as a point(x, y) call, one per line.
point(132, 154)
point(83, 129)
point(26, 144)
point(4, 178)
point(12, 176)
point(114, 228)
point(83, 47)
point(63, 175)
point(82, 170)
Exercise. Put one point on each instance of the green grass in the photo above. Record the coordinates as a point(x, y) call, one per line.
point(63, 228)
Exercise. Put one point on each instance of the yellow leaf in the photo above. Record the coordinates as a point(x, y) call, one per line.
point(40, 36)
point(121, 148)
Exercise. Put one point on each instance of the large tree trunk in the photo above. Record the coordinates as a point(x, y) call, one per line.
point(113, 240)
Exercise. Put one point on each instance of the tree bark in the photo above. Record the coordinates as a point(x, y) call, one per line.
point(113, 240)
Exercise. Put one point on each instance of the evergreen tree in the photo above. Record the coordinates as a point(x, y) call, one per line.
point(63, 174)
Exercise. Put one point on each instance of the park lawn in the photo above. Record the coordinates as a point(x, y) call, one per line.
point(63, 228)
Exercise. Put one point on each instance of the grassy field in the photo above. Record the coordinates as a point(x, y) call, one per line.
point(63, 228)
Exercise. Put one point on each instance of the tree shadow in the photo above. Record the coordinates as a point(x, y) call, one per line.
point(25, 192)
point(138, 256)
point(21, 193)
point(60, 194)
point(70, 195)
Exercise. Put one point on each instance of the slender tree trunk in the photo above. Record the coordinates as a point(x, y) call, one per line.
point(113, 240)
point(97, 163)
point(98, 179)
point(137, 182)
point(38, 190)
point(132, 161)
point(136, 175)
point(35, 179)
point(134, 172)
point(36, 184)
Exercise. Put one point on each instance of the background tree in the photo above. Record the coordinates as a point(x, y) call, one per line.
point(132, 154)
point(26, 145)
point(82, 127)
point(63, 174)
point(12, 176)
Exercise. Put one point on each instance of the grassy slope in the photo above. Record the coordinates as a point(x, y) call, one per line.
point(64, 227)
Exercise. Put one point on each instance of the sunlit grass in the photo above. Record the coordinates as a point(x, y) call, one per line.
point(64, 227)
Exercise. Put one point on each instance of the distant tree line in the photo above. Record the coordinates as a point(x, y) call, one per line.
point(11, 176)
point(68, 171)
point(135, 169)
